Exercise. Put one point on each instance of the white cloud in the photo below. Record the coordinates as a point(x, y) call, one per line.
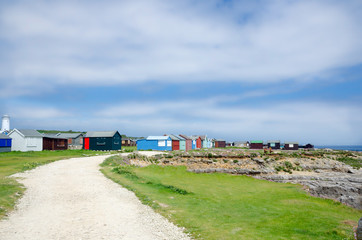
point(89, 42)
point(36, 113)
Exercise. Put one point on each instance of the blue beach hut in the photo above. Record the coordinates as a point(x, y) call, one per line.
point(158, 143)
point(5, 143)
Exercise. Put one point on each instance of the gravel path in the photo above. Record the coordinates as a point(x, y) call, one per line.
point(72, 199)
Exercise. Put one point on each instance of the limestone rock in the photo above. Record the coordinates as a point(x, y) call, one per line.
point(359, 229)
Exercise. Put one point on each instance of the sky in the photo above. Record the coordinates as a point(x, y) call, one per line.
point(284, 70)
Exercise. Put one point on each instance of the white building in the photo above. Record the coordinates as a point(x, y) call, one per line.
point(5, 124)
point(26, 140)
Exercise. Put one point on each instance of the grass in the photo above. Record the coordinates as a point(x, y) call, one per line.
point(13, 162)
point(221, 206)
point(129, 148)
point(355, 163)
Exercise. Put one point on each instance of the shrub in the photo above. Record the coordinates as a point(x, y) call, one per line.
point(288, 165)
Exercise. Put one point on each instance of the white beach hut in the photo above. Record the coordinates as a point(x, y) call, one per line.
point(26, 140)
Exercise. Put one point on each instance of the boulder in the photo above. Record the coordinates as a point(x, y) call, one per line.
point(359, 229)
point(258, 160)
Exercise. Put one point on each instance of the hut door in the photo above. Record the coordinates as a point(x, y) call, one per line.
point(86, 143)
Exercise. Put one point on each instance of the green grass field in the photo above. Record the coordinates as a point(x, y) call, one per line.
point(13, 162)
point(221, 206)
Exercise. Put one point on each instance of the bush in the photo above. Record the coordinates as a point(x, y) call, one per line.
point(288, 165)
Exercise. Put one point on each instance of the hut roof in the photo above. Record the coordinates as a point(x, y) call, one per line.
point(69, 135)
point(174, 137)
point(185, 137)
point(272, 141)
point(52, 136)
point(101, 134)
point(29, 132)
point(194, 137)
point(257, 141)
point(158, 137)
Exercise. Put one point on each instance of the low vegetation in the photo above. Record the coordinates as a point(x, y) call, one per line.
point(13, 162)
point(222, 206)
point(129, 149)
point(355, 163)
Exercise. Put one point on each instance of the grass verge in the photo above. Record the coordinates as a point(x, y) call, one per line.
point(13, 162)
point(221, 206)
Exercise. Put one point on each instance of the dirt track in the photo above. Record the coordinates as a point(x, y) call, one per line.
point(71, 199)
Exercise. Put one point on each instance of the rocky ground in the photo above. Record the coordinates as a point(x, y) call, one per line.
point(324, 173)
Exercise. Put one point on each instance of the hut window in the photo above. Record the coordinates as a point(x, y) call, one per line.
point(31, 142)
point(272, 144)
point(116, 143)
point(169, 143)
point(291, 145)
point(69, 141)
point(101, 143)
point(81, 140)
point(161, 143)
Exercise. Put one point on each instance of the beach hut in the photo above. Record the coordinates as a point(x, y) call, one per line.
point(256, 144)
point(212, 140)
point(158, 143)
point(26, 140)
point(105, 141)
point(274, 144)
point(291, 146)
point(241, 144)
point(128, 142)
point(309, 146)
point(175, 142)
point(188, 142)
point(75, 140)
point(198, 141)
point(5, 143)
point(205, 142)
point(54, 142)
point(193, 142)
point(219, 143)
point(182, 143)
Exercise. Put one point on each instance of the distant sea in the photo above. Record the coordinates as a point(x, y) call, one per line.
point(346, 147)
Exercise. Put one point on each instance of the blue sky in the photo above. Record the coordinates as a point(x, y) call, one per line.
point(238, 70)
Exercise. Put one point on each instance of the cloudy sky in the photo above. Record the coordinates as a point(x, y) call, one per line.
point(238, 70)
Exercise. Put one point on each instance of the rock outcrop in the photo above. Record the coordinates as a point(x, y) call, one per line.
point(343, 187)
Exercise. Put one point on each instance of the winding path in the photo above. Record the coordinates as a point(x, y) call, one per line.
point(72, 199)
